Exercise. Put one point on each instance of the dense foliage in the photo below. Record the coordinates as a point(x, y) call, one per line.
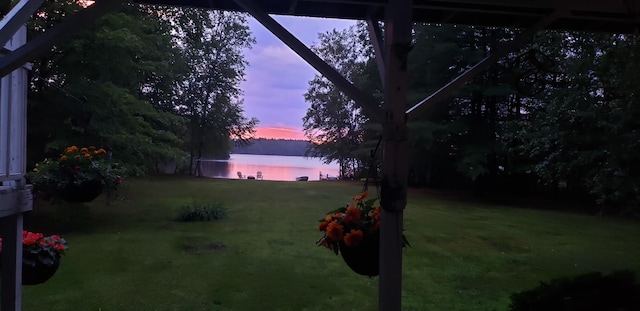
point(557, 117)
point(120, 84)
point(586, 292)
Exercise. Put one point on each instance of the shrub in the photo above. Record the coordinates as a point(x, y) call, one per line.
point(586, 292)
point(201, 212)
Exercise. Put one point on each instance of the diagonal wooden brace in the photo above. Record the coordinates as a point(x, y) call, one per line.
point(366, 101)
point(42, 43)
point(17, 17)
point(462, 79)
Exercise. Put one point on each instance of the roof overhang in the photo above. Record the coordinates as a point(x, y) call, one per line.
point(616, 16)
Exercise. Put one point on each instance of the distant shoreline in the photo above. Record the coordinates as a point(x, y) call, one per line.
point(280, 147)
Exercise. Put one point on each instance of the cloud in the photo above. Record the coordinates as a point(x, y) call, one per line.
point(276, 77)
point(278, 67)
point(280, 133)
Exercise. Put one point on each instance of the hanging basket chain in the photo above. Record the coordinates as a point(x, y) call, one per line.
point(373, 170)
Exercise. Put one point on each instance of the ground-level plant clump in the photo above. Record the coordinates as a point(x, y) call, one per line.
point(201, 211)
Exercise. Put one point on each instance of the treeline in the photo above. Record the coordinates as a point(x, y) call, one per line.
point(557, 118)
point(285, 147)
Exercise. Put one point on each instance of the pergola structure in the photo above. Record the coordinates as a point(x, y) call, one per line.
point(616, 16)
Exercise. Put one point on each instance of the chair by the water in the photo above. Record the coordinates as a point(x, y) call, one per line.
point(259, 175)
point(239, 174)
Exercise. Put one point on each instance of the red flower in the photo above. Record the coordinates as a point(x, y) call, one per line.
point(353, 238)
point(360, 197)
point(323, 226)
point(352, 215)
point(334, 231)
point(376, 213)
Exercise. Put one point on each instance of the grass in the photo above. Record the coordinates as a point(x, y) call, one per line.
point(465, 256)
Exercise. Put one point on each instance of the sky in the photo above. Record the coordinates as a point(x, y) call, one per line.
point(277, 78)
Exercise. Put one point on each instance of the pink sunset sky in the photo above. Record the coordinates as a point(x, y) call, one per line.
point(277, 78)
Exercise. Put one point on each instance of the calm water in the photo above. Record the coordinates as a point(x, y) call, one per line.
point(272, 167)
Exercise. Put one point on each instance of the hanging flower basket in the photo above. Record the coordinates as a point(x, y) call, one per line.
point(354, 232)
point(40, 256)
point(35, 272)
point(79, 175)
point(364, 258)
point(86, 191)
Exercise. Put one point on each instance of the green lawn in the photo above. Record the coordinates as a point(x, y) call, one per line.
point(465, 256)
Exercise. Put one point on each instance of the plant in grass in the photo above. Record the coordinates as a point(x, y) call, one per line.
point(40, 249)
point(74, 168)
point(201, 212)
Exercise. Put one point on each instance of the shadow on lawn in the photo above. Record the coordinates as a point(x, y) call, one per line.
point(59, 218)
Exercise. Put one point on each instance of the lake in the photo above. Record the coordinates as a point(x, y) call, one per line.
point(285, 168)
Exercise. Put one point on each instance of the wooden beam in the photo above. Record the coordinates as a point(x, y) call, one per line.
point(42, 43)
point(17, 17)
point(375, 36)
point(11, 257)
point(395, 152)
point(478, 68)
point(15, 201)
point(366, 101)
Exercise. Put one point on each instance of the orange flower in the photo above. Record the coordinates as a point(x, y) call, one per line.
point(63, 158)
point(71, 149)
point(92, 148)
point(87, 156)
point(323, 226)
point(334, 231)
point(376, 213)
point(360, 197)
point(353, 214)
point(84, 150)
point(101, 151)
point(353, 238)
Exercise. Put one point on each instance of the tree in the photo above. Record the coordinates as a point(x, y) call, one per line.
point(333, 122)
point(209, 97)
point(95, 89)
point(456, 140)
point(580, 137)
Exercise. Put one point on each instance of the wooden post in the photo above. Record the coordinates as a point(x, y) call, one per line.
point(393, 195)
point(11, 230)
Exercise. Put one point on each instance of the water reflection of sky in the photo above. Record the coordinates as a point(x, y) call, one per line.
point(272, 167)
